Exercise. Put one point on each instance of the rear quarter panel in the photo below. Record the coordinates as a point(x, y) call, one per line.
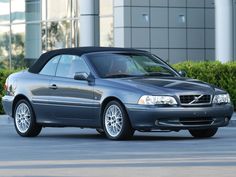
point(28, 85)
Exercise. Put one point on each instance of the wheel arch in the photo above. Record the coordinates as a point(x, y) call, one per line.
point(16, 99)
point(105, 102)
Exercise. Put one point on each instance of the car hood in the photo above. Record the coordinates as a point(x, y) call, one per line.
point(169, 85)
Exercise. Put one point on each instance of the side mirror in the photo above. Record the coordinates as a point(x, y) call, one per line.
point(182, 73)
point(81, 76)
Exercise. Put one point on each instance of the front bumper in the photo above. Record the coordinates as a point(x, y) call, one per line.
point(144, 117)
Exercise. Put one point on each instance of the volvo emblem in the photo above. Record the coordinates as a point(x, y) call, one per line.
point(196, 99)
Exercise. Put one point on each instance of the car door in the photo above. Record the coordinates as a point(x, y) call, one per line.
point(41, 91)
point(73, 99)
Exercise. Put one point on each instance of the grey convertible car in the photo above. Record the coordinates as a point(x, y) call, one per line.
point(114, 90)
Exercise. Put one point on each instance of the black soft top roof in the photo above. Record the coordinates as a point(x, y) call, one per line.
point(45, 57)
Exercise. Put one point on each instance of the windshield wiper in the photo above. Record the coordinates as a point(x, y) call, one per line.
point(119, 75)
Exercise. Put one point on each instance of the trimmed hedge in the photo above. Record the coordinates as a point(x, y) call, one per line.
point(216, 73)
point(3, 75)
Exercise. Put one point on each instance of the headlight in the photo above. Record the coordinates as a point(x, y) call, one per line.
point(221, 98)
point(153, 100)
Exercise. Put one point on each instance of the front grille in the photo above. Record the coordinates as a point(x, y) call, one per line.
point(196, 121)
point(195, 99)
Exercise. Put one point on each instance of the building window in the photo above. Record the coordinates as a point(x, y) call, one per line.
point(58, 35)
point(29, 28)
point(106, 23)
point(4, 47)
point(58, 9)
point(18, 11)
point(4, 12)
point(18, 46)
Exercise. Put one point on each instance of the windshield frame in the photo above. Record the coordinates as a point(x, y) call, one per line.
point(144, 53)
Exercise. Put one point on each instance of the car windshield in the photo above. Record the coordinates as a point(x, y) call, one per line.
point(117, 65)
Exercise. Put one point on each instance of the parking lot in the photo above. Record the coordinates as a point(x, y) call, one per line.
point(82, 152)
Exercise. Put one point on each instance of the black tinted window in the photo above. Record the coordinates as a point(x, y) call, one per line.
point(50, 68)
point(69, 65)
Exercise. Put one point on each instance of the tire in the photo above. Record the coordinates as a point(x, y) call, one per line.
point(25, 121)
point(116, 124)
point(203, 133)
point(100, 131)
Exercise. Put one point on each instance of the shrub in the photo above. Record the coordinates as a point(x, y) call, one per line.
point(216, 73)
point(3, 76)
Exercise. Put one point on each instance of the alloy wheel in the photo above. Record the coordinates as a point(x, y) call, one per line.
point(23, 117)
point(113, 120)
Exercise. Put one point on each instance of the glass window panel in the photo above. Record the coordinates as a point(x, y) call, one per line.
point(106, 31)
point(44, 9)
point(32, 41)
point(32, 10)
point(58, 35)
point(106, 7)
point(75, 8)
point(4, 12)
point(64, 65)
point(18, 10)
point(75, 33)
point(18, 46)
point(4, 46)
point(69, 65)
point(44, 37)
point(58, 9)
point(50, 68)
point(22, 10)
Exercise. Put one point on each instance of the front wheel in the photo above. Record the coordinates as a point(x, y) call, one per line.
point(203, 133)
point(24, 120)
point(116, 122)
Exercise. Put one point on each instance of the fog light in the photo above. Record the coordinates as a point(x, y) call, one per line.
point(226, 119)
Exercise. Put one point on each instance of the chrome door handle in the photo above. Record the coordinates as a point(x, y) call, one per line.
point(53, 86)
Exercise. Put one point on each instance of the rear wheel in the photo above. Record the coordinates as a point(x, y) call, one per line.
point(24, 120)
point(116, 122)
point(203, 133)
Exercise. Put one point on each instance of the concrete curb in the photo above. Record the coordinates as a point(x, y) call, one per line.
point(232, 122)
point(6, 120)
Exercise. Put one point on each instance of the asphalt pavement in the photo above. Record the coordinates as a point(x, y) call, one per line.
point(74, 152)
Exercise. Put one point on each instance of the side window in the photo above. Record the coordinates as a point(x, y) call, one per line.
point(51, 66)
point(69, 65)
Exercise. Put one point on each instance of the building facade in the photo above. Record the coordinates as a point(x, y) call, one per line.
point(175, 30)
